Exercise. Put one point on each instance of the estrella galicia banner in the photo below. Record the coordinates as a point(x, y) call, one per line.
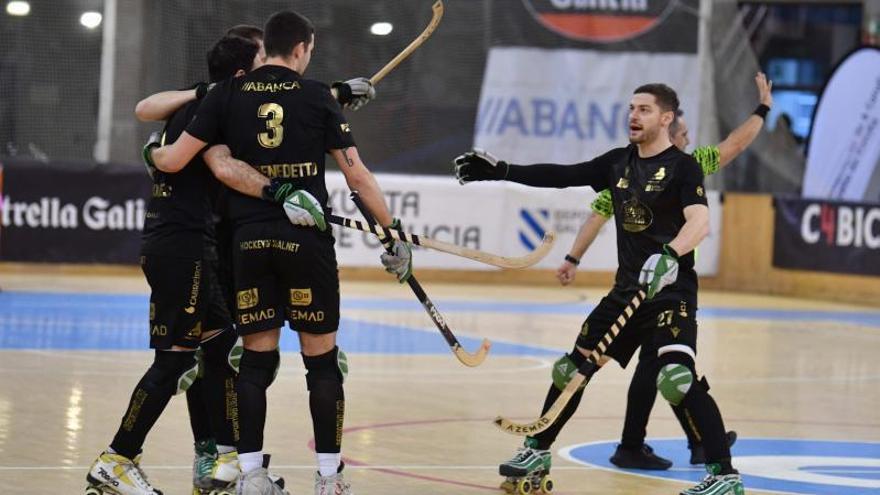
point(828, 236)
point(72, 212)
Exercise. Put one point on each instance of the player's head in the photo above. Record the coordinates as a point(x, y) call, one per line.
point(252, 33)
point(678, 131)
point(651, 110)
point(291, 37)
point(231, 56)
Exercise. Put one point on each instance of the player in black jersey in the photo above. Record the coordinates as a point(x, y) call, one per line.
point(661, 216)
point(283, 124)
point(186, 308)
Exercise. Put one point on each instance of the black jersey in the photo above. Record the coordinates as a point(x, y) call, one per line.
point(179, 212)
point(649, 196)
point(281, 124)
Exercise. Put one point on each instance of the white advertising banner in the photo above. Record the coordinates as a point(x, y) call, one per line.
point(499, 217)
point(568, 105)
point(844, 149)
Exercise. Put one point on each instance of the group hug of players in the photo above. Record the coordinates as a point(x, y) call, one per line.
point(258, 247)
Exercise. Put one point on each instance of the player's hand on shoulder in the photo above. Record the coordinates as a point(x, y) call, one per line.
point(154, 141)
point(355, 93)
point(479, 165)
point(399, 258)
point(659, 271)
point(304, 210)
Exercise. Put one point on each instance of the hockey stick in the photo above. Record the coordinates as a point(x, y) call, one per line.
point(483, 257)
point(437, 8)
point(548, 418)
point(465, 357)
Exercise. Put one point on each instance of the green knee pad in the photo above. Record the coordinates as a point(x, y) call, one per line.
point(674, 381)
point(234, 357)
point(189, 376)
point(342, 364)
point(564, 370)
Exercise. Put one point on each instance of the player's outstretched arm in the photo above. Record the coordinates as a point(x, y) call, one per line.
point(480, 165)
point(173, 157)
point(741, 137)
point(161, 106)
point(235, 173)
point(585, 237)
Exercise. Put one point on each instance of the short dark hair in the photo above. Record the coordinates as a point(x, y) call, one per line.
point(230, 54)
point(246, 31)
point(666, 98)
point(284, 30)
point(676, 123)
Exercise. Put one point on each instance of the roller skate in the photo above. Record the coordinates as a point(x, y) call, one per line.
point(528, 471)
point(717, 484)
point(114, 474)
point(258, 482)
point(333, 484)
point(203, 465)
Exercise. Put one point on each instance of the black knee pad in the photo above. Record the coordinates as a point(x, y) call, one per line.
point(171, 370)
point(259, 368)
point(216, 351)
point(330, 366)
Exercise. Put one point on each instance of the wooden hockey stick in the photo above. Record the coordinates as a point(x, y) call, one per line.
point(465, 357)
point(437, 8)
point(548, 418)
point(483, 257)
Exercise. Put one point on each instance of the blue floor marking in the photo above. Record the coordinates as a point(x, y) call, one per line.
point(100, 321)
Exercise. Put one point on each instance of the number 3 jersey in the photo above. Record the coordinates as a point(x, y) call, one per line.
point(281, 124)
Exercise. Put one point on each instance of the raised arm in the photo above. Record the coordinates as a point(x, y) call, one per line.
point(479, 165)
point(161, 106)
point(741, 137)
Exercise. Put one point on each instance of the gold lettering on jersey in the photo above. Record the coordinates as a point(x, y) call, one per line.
point(315, 316)
point(159, 330)
point(300, 297)
point(270, 87)
point(636, 216)
point(290, 247)
point(152, 215)
point(289, 170)
point(345, 127)
point(256, 316)
point(675, 331)
point(655, 183)
point(623, 183)
point(194, 291)
point(248, 298)
point(161, 190)
point(152, 310)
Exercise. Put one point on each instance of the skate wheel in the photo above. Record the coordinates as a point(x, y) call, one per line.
point(524, 487)
point(508, 486)
point(546, 484)
point(93, 490)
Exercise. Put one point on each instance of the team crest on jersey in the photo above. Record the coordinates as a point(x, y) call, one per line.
point(636, 216)
point(600, 21)
point(300, 297)
point(248, 298)
point(655, 183)
point(623, 183)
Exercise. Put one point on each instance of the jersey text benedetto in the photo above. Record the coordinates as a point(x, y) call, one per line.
point(649, 196)
point(178, 215)
point(279, 123)
point(708, 157)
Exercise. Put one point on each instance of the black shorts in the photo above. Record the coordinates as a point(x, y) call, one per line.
point(658, 327)
point(284, 272)
point(217, 315)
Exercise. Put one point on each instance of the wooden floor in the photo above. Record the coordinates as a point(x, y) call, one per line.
point(417, 421)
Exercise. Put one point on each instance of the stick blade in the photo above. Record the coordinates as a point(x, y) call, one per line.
point(472, 360)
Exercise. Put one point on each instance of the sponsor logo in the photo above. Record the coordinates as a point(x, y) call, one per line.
point(675, 331)
point(532, 228)
point(159, 330)
point(300, 297)
point(315, 316)
point(600, 21)
point(194, 291)
point(96, 213)
point(256, 316)
point(841, 226)
point(104, 474)
point(248, 298)
point(345, 127)
point(271, 87)
point(623, 183)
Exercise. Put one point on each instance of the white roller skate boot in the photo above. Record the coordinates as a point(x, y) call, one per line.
point(118, 475)
point(334, 484)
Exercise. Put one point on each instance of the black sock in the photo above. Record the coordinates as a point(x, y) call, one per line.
point(256, 373)
point(546, 438)
point(639, 402)
point(198, 414)
point(688, 425)
point(705, 413)
point(326, 400)
point(219, 388)
point(149, 399)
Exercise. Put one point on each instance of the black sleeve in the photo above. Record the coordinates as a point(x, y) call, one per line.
point(208, 121)
point(690, 177)
point(337, 131)
point(595, 173)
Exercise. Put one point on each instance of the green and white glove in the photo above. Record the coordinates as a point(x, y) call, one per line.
point(660, 270)
point(399, 260)
point(303, 209)
point(154, 141)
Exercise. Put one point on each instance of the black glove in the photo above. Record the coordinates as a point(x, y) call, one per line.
point(202, 89)
point(479, 165)
point(154, 141)
point(354, 93)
